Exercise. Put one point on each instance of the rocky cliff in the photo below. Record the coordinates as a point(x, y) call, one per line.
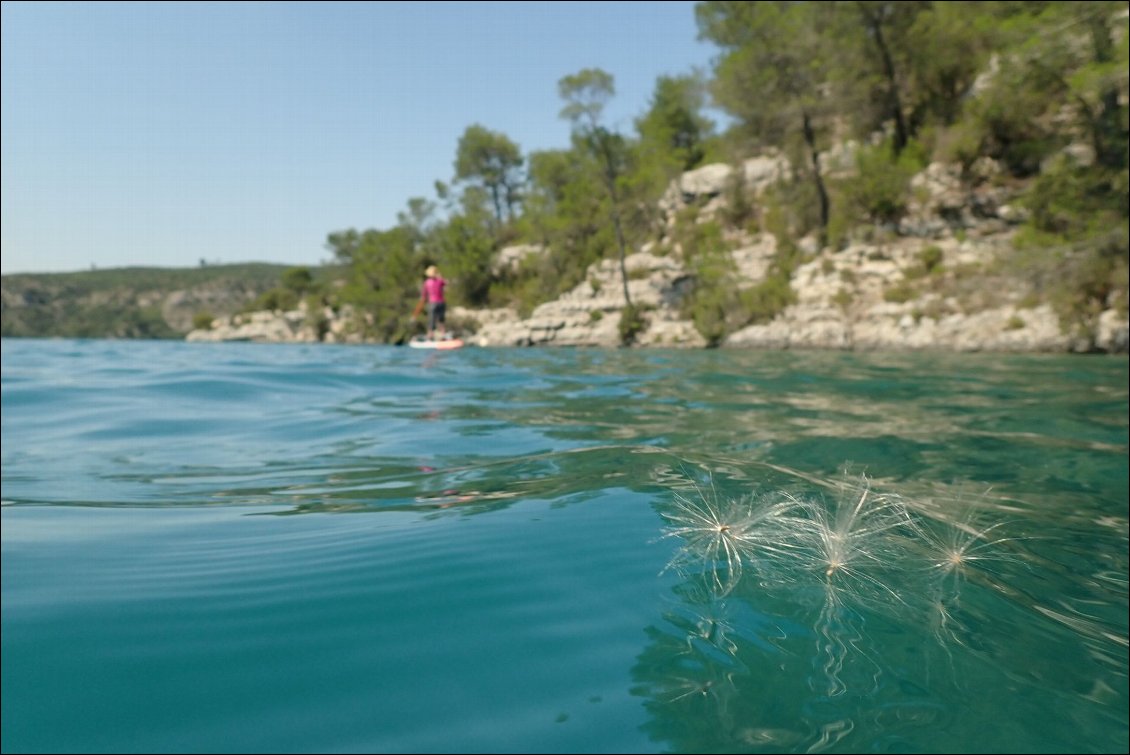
point(937, 280)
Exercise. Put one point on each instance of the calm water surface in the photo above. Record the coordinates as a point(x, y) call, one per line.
point(250, 548)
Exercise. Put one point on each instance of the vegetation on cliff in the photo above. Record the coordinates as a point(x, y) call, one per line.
point(1037, 90)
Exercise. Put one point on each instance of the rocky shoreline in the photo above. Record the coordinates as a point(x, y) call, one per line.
point(844, 296)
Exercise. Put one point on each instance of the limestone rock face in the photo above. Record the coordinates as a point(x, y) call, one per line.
point(925, 283)
point(589, 315)
point(260, 327)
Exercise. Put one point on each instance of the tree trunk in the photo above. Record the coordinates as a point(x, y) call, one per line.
point(495, 195)
point(1108, 136)
point(610, 184)
point(623, 253)
point(821, 190)
point(894, 102)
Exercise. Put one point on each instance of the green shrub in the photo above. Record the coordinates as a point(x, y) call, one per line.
point(698, 239)
point(767, 299)
point(843, 298)
point(1077, 202)
point(792, 210)
point(914, 272)
point(959, 143)
point(273, 300)
point(931, 258)
point(900, 293)
point(717, 307)
point(1074, 248)
point(316, 319)
point(631, 323)
point(880, 191)
point(713, 298)
point(297, 279)
point(202, 321)
point(1006, 123)
point(738, 212)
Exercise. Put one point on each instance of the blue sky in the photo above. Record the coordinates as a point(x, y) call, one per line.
point(165, 133)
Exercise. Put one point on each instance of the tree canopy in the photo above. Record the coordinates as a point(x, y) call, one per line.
point(907, 82)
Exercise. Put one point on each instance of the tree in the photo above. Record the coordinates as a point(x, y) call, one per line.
point(673, 127)
point(773, 74)
point(673, 138)
point(586, 93)
point(298, 279)
point(951, 45)
point(1082, 58)
point(1060, 75)
point(383, 277)
point(465, 252)
point(885, 37)
point(566, 212)
point(343, 244)
point(495, 162)
point(419, 216)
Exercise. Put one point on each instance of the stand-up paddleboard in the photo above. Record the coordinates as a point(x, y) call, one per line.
point(448, 343)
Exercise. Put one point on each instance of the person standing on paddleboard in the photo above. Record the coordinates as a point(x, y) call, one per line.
point(432, 296)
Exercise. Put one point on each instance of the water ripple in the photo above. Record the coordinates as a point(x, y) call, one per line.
point(238, 547)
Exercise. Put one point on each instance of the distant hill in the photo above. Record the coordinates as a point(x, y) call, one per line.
point(134, 302)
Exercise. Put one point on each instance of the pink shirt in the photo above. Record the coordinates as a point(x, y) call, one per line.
point(433, 289)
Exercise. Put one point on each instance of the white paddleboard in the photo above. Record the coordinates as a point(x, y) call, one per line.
point(447, 343)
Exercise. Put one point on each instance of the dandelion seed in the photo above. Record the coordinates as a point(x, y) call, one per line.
point(854, 541)
point(958, 550)
point(715, 684)
point(721, 535)
point(696, 689)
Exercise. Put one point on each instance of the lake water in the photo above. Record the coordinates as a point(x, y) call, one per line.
point(287, 548)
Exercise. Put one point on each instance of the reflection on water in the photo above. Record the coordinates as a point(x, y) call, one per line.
point(368, 549)
point(810, 582)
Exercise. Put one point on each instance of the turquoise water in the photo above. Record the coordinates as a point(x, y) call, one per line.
point(252, 548)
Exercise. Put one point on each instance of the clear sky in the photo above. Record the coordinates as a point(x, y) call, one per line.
point(154, 133)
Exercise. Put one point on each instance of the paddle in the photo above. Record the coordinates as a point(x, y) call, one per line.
point(405, 333)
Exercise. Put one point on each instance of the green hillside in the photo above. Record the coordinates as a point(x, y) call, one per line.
point(135, 302)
